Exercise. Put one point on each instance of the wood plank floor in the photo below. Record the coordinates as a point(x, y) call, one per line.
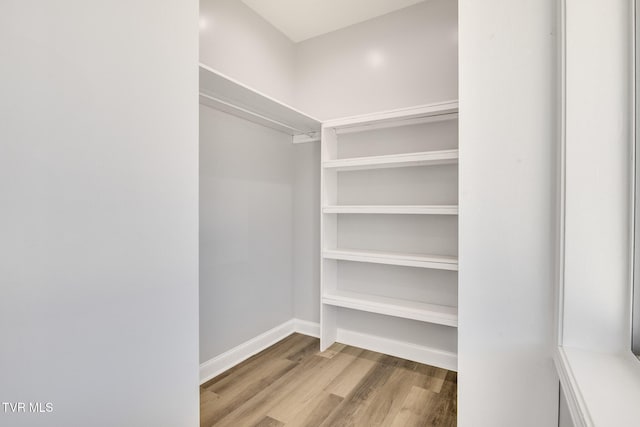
point(293, 384)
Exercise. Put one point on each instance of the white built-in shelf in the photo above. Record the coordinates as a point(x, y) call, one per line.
point(393, 209)
point(426, 158)
point(401, 117)
point(400, 128)
point(436, 262)
point(432, 313)
point(229, 95)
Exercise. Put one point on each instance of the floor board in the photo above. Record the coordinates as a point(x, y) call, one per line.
point(292, 384)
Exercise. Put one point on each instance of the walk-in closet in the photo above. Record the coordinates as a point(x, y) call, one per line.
point(328, 180)
point(252, 213)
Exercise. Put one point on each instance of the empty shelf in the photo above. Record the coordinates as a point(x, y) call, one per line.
point(426, 158)
point(432, 313)
point(394, 258)
point(400, 117)
point(394, 209)
point(228, 95)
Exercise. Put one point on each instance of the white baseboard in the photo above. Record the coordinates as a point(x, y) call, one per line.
point(213, 367)
point(227, 360)
point(307, 328)
point(404, 350)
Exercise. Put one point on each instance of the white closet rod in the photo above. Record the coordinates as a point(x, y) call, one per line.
point(256, 115)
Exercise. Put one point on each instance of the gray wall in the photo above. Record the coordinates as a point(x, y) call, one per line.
point(99, 212)
point(400, 59)
point(564, 416)
point(306, 232)
point(508, 161)
point(246, 230)
point(241, 44)
point(247, 187)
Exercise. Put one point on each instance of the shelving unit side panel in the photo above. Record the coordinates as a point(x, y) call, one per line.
point(330, 269)
point(329, 140)
point(330, 187)
point(328, 326)
point(328, 231)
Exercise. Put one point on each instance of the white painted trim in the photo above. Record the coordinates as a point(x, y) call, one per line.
point(305, 327)
point(417, 353)
point(227, 360)
point(634, 292)
point(561, 198)
point(575, 402)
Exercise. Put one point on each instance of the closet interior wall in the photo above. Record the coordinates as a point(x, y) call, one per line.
point(246, 186)
point(402, 59)
point(246, 212)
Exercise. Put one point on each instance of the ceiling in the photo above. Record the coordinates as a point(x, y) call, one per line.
point(302, 19)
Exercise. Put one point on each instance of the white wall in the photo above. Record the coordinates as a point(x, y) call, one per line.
point(246, 230)
point(99, 212)
point(599, 373)
point(401, 59)
point(507, 169)
point(598, 93)
point(241, 44)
